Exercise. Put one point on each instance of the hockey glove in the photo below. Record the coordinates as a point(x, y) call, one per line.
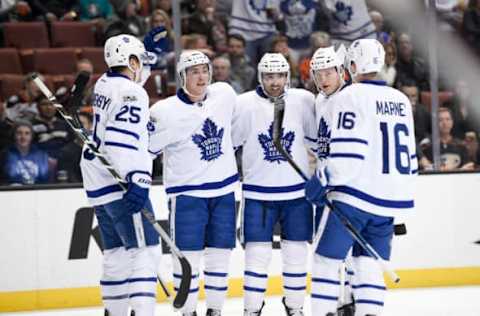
point(156, 41)
point(135, 198)
point(316, 189)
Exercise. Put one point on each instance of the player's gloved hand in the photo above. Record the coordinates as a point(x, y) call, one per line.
point(135, 198)
point(156, 41)
point(316, 188)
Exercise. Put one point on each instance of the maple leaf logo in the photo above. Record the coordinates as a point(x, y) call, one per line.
point(210, 143)
point(258, 5)
point(343, 13)
point(323, 139)
point(270, 152)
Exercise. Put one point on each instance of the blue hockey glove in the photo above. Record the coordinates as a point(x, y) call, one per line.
point(156, 41)
point(135, 198)
point(316, 189)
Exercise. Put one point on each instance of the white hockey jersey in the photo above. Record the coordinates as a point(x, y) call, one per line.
point(367, 140)
point(349, 20)
point(121, 116)
point(196, 141)
point(249, 19)
point(266, 173)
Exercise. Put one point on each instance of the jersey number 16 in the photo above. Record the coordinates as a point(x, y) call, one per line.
point(399, 149)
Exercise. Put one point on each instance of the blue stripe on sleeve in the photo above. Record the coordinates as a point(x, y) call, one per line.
point(122, 131)
point(204, 186)
point(263, 189)
point(104, 191)
point(349, 140)
point(346, 155)
point(373, 200)
point(122, 145)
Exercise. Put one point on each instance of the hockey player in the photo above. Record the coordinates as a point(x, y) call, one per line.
point(368, 170)
point(328, 73)
point(273, 192)
point(193, 129)
point(131, 251)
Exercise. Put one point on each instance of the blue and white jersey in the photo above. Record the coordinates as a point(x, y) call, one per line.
point(367, 144)
point(249, 19)
point(121, 116)
point(300, 21)
point(196, 142)
point(266, 173)
point(349, 20)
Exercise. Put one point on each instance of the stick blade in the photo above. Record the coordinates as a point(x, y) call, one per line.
point(184, 288)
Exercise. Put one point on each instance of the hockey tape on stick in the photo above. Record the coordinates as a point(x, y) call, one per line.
point(278, 114)
point(184, 287)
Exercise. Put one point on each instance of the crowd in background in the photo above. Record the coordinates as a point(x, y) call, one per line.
point(37, 146)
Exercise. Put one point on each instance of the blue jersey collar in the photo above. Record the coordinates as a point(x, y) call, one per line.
point(375, 82)
point(183, 96)
point(260, 92)
point(112, 74)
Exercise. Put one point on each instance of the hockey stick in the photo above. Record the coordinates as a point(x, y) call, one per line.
point(278, 113)
point(184, 288)
point(74, 102)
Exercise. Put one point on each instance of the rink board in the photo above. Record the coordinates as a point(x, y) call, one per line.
point(50, 258)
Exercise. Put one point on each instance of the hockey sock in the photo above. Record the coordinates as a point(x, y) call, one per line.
point(143, 280)
point(193, 258)
point(114, 282)
point(257, 259)
point(368, 286)
point(325, 285)
point(294, 255)
point(216, 276)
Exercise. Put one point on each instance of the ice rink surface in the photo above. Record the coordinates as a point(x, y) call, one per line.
point(451, 301)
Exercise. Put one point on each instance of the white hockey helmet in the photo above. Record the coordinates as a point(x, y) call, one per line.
point(190, 58)
point(273, 63)
point(367, 54)
point(119, 49)
point(325, 58)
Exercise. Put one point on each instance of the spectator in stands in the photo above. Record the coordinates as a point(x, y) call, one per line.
point(242, 71)
point(251, 20)
point(389, 72)
point(134, 23)
point(95, 10)
point(198, 42)
point(421, 114)
point(23, 106)
point(205, 20)
point(453, 153)
point(377, 19)
point(84, 64)
point(165, 5)
point(23, 162)
point(221, 73)
point(423, 162)
point(7, 7)
point(6, 126)
point(68, 169)
point(318, 40)
point(51, 10)
point(297, 20)
point(471, 24)
point(51, 132)
point(280, 45)
point(473, 149)
point(465, 113)
point(409, 66)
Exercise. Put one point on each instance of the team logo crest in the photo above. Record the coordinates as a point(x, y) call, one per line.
point(210, 143)
point(269, 150)
point(323, 139)
point(258, 5)
point(343, 12)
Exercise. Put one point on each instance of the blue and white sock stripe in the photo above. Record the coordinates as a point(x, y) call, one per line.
point(215, 274)
point(295, 288)
point(254, 289)
point(115, 297)
point(324, 297)
point(131, 280)
point(295, 275)
point(128, 296)
point(371, 286)
point(179, 276)
point(194, 290)
point(256, 275)
point(327, 281)
point(371, 302)
point(215, 288)
point(324, 288)
point(295, 281)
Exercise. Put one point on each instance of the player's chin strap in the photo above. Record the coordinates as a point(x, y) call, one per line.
point(182, 293)
point(279, 110)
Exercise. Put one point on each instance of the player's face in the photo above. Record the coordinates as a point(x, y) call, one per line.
point(328, 80)
point(197, 79)
point(274, 83)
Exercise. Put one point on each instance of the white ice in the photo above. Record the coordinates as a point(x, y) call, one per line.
point(451, 301)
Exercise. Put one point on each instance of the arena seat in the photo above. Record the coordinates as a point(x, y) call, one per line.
point(156, 86)
point(54, 61)
point(10, 61)
point(96, 56)
point(443, 96)
point(72, 34)
point(10, 84)
point(26, 35)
